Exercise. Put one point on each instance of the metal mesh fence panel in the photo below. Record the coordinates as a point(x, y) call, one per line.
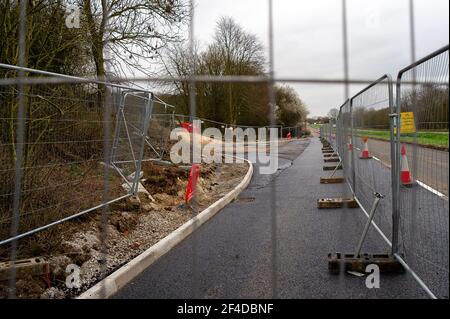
point(132, 120)
point(162, 121)
point(326, 134)
point(371, 137)
point(423, 160)
point(345, 143)
point(63, 167)
point(63, 139)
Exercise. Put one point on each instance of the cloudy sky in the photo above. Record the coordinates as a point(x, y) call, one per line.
point(308, 38)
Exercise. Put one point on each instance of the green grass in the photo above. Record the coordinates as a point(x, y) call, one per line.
point(423, 138)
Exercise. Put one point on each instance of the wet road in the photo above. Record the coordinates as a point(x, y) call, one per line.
point(237, 254)
point(427, 165)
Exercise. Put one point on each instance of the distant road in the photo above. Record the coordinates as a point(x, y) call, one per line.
point(431, 166)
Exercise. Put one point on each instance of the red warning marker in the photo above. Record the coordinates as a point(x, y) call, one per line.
point(193, 178)
point(405, 174)
point(350, 145)
point(187, 126)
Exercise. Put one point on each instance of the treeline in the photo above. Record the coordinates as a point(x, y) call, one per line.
point(98, 36)
point(126, 37)
point(430, 106)
point(233, 52)
point(49, 44)
point(429, 103)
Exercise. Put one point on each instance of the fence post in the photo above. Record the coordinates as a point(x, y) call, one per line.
point(395, 162)
point(117, 130)
point(376, 201)
point(148, 115)
point(353, 149)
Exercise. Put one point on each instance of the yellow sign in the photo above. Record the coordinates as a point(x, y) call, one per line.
point(407, 124)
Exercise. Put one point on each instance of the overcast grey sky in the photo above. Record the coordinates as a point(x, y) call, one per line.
point(308, 38)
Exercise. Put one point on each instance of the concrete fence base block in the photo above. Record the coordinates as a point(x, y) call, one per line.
point(387, 263)
point(333, 203)
point(331, 160)
point(332, 168)
point(331, 180)
point(24, 267)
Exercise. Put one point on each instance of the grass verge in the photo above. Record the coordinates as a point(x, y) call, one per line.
point(422, 138)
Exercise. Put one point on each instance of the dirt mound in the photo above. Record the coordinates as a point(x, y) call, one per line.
point(163, 179)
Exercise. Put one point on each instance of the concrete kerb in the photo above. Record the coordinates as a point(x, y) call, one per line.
point(114, 282)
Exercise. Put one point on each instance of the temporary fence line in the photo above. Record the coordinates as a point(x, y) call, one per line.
point(376, 95)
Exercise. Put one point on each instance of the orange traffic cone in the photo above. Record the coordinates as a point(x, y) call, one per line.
point(365, 153)
point(405, 174)
point(350, 145)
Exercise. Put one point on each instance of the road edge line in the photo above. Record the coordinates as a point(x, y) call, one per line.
point(122, 276)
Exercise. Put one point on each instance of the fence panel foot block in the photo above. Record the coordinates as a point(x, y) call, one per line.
point(338, 262)
point(332, 203)
point(332, 168)
point(331, 180)
point(25, 267)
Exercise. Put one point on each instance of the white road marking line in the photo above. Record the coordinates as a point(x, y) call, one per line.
point(422, 184)
point(432, 190)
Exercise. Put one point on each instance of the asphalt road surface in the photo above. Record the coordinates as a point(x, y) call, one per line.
point(427, 165)
point(237, 254)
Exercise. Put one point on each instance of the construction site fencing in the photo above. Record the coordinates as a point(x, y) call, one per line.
point(372, 158)
point(395, 160)
point(423, 169)
point(75, 155)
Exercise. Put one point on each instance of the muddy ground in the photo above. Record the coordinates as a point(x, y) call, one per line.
point(132, 227)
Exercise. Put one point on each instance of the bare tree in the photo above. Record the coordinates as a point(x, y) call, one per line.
point(235, 52)
point(180, 61)
point(333, 114)
point(232, 52)
point(134, 31)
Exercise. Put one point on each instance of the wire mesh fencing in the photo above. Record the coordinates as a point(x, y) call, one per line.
point(373, 155)
point(162, 122)
point(132, 120)
point(325, 132)
point(399, 154)
point(64, 150)
point(293, 132)
point(140, 126)
point(422, 154)
point(345, 146)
